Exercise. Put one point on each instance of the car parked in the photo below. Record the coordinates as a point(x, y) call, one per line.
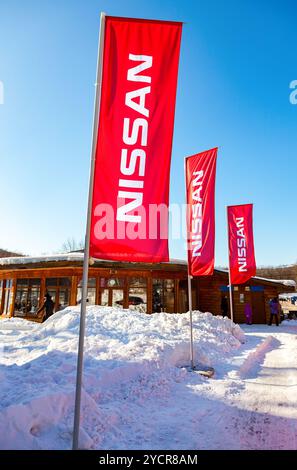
point(132, 301)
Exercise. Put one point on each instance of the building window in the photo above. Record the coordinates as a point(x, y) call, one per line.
point(112, 291)
point(91, 295)
point(137, 299)
point(27, 297)
point(104, 297)
point(113, 282)
point(59, 290)
point(117, 297)
point(8, 295)
point(163, 295)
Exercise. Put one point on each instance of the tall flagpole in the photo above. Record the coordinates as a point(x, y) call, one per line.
point(230, 295)
point(229, 272)
point(189, 276)
point(191, 320)
point(98, 86)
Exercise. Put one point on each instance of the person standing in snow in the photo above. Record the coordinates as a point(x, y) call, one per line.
point(248, 313)
point(274, 310)
point(48, 306)
point(224, 306)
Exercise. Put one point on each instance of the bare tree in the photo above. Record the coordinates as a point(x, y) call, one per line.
point(72, 245)
point(278, 272)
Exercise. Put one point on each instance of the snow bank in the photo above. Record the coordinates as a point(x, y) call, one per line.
point(131, 359)
point(251, 365)
point(15, 324)
point(117, 334)
point(289, 323)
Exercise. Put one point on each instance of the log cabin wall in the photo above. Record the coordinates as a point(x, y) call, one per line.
point(209, 299)
point(256, 292)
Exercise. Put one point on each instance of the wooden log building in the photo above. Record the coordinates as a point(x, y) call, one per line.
point(140, 286)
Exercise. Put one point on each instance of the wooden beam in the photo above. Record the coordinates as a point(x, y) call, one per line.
point(98, 292)
point(73, 291)
point(176, 295)
point(42, 291)
point(2, 297)
point(13, 294)
point(126, 293)
point(149, 295)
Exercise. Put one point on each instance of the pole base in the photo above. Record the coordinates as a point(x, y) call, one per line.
point(206, 371)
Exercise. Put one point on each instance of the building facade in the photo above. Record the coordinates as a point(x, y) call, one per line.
point(146, 287)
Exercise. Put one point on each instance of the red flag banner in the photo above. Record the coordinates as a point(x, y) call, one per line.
point(131, 178)
point(241, 243)
point(200, 186)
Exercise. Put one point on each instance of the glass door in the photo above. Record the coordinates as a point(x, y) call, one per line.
point(117, 298)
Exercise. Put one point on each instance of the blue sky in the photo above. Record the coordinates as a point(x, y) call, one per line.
point(237, 61)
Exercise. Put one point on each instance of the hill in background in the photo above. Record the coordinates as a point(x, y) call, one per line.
point(278, 272)
point(8, 254)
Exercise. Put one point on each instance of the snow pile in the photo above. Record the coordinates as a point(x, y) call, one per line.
point(289, 282)
point(131, 360)
point(15, 324)
point(289, 323)
point(251, 365)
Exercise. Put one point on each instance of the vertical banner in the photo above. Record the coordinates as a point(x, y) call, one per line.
point(129, 220)
point(242, 262)
point(200, 187)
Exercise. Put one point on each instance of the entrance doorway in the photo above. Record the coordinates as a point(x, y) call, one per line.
point(112, 297)
point(112, 292)
point(258, 306)
point(225, 304)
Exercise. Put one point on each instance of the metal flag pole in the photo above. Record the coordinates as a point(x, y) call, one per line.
point(229, 272)
point(98, 86)
point(189, 277)
point(230, 296)
point(191, 320)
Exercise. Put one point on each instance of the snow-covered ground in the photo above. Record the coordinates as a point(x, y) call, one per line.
point(138, 392)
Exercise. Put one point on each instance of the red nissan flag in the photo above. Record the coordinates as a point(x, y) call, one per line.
point(241, 243)
point(132, 163)
point(200, 185)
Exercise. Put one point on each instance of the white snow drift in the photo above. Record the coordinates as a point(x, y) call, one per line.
point(137, 390)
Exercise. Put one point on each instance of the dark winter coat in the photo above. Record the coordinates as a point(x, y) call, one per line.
point(48, 306)
point(224, 305)
point(273, 307)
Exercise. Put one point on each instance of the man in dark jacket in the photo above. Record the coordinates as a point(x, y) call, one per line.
point(274, 310)
point(224, 306)
point(48, 306)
